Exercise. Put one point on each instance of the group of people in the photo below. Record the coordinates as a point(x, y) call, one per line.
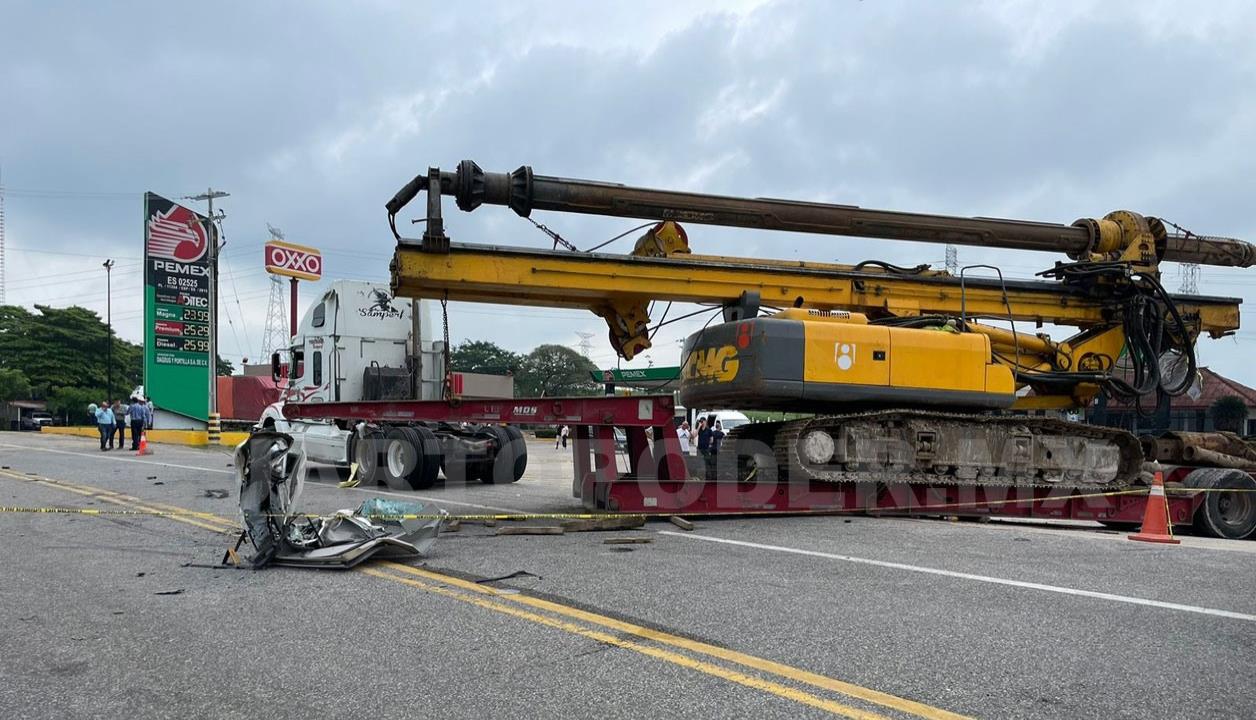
point(113, 418)
point(709, 434)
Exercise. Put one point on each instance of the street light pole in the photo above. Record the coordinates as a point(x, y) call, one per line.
point(108, 266)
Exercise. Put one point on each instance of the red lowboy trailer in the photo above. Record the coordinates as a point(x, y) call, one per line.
point(660, 479)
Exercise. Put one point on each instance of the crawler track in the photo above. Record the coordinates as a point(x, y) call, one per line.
point(936, 448)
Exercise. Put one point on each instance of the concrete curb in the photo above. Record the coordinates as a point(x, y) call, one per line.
point(196, 438)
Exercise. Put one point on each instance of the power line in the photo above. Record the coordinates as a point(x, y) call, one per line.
point(74, 254)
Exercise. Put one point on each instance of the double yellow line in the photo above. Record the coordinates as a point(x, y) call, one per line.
point(684, 652)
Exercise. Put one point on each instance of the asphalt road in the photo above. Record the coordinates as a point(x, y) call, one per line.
point(765, 617)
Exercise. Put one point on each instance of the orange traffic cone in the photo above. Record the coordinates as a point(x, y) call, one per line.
point(144, 445)
point(1156, 526)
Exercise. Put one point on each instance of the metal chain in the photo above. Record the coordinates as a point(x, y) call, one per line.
point(444, 318)
point(558, 239)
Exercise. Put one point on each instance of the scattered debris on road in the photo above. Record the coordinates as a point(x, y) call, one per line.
point(680, 522)
point(271, 473)
point(630, 522)
point(216, 494)
point(515, 574)
point(530, 530)
point(627, 541)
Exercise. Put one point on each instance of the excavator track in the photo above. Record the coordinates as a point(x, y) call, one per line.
point(934, 448)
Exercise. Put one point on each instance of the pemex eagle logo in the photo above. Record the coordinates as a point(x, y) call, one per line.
point(177, 234)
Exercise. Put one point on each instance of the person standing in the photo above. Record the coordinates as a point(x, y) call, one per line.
point(682, 433)
point(120, 422)
point(139, 420)
point(705, 436)
point(104, 423)
point(717, 438)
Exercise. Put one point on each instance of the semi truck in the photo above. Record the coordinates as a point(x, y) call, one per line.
point(358, 343)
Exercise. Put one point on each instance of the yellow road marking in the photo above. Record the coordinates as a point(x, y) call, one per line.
point(857, 691)
point(125, 501)
point(225, 525)
point(767, 686)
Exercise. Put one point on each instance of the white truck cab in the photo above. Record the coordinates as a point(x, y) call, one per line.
point(357, 342)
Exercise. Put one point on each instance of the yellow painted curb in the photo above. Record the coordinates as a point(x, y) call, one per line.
point(173, 437)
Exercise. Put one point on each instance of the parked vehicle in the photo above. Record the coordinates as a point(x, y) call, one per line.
point(35, 421)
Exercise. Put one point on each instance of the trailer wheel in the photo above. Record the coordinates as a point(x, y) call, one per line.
point(1229, 515)
point(368, 454)
point(521, 452)
point(511, 460)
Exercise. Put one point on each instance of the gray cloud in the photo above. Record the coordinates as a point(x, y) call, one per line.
point(312, 117)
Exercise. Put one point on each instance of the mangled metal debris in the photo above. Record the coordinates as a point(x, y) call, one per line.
point(271, 472)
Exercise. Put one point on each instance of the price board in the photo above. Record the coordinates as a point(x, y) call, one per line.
point(176, 307)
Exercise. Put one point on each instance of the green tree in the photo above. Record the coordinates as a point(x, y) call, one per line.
point(69, 404)
point(225, 367)
point(66, 347)
point(14, 385)
point(552, 370)
point(482, 356)
point(1229, 413)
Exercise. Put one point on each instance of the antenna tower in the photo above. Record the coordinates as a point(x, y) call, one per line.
point(275, 337)
point(586, 342)
point(952, 259)
point(1190, 279)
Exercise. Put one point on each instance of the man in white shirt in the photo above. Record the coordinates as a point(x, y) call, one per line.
point(682, 432)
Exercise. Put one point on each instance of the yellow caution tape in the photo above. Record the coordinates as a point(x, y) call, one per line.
point(519, 517)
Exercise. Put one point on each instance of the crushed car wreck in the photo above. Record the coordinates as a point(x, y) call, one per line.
point(271, 472)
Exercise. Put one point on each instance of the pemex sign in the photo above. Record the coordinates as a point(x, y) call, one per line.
point(292, 260)
point(176, 307)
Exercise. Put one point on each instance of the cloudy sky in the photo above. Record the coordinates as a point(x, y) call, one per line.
point(312, 114)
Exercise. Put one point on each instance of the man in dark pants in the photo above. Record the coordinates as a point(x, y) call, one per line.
point(706, 449)
point(104, 423)
point(139, 420)
point(119, 418)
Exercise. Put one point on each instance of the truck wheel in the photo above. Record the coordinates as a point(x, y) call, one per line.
point(1229, 515)
point(401, 458)
point(368, 454)
point(428, 472)
point(511, 459)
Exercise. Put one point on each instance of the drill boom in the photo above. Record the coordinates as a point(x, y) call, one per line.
point(524, 191)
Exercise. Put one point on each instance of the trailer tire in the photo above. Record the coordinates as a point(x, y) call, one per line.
point(1224, 514)
point(511, 460)
point(368, 454)
point(521, 452)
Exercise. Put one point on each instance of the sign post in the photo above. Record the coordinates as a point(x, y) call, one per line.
point(297, 262)
point(176, 308)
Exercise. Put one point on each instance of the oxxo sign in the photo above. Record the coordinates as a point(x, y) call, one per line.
point(296, 261)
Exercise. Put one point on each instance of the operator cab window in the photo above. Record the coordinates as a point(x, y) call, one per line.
point(318, 367)
point(320, 315)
